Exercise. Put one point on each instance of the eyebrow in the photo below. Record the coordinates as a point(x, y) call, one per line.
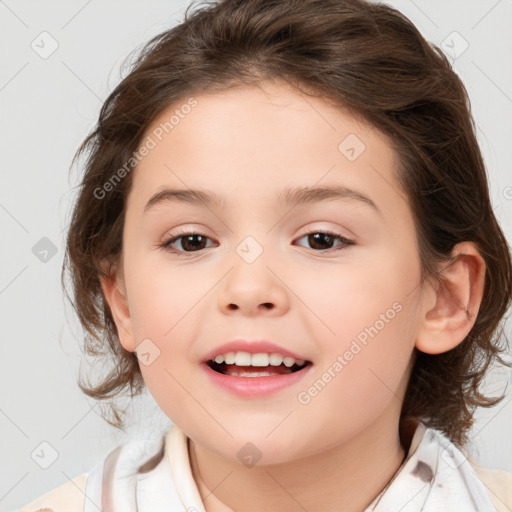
point(287, 197)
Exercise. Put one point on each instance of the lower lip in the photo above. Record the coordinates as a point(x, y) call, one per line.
point(255, 386)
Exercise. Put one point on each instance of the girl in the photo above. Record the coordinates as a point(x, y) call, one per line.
point(284, 231)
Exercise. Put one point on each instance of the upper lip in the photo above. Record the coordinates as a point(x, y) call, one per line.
point(253, 347)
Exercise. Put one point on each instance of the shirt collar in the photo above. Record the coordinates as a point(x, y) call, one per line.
point(434, 474)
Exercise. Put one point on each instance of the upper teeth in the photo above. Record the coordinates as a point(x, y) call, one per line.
point(262, 359)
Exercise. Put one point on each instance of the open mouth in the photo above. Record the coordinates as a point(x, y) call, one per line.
point(255, 371)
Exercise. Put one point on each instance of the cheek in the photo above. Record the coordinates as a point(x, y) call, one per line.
point(164, 306)
point(164, 298)
point(368, 330)
point(353, 297)
point(364, 376)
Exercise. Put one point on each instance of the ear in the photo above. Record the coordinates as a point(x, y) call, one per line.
point(114, 292)
point(456, 301)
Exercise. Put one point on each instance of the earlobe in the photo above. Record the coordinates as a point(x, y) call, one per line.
point(114, 292)
point(457, 301)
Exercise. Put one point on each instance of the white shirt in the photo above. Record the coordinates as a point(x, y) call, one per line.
point(155, 475)
point(434, 477)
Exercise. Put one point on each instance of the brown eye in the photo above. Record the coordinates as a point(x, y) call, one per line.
point(324, 240)
point(187, 242)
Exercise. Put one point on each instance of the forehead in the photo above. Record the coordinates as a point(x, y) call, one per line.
point(258, 141)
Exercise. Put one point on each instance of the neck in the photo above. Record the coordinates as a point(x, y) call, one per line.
point(345, 477)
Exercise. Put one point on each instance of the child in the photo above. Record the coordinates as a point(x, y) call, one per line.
point(298, 376)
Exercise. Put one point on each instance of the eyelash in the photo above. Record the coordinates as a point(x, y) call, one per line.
point(165, 245)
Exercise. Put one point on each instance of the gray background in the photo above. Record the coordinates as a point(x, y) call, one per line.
point(48, 105)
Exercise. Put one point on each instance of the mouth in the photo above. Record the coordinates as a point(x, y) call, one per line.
point(255, 371)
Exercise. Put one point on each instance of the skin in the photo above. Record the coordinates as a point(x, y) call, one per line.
point(338, 451)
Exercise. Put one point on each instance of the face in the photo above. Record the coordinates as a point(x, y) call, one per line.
point(333, 279)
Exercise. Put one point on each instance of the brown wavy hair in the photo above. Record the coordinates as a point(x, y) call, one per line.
point(367, 57)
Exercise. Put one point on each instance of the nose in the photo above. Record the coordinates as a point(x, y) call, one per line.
point(253, 288)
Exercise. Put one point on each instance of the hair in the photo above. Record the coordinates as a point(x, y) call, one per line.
point(366, 57)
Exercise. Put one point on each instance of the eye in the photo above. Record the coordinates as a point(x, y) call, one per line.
point(320, 239)
point(194, 242)
point(190, 242)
